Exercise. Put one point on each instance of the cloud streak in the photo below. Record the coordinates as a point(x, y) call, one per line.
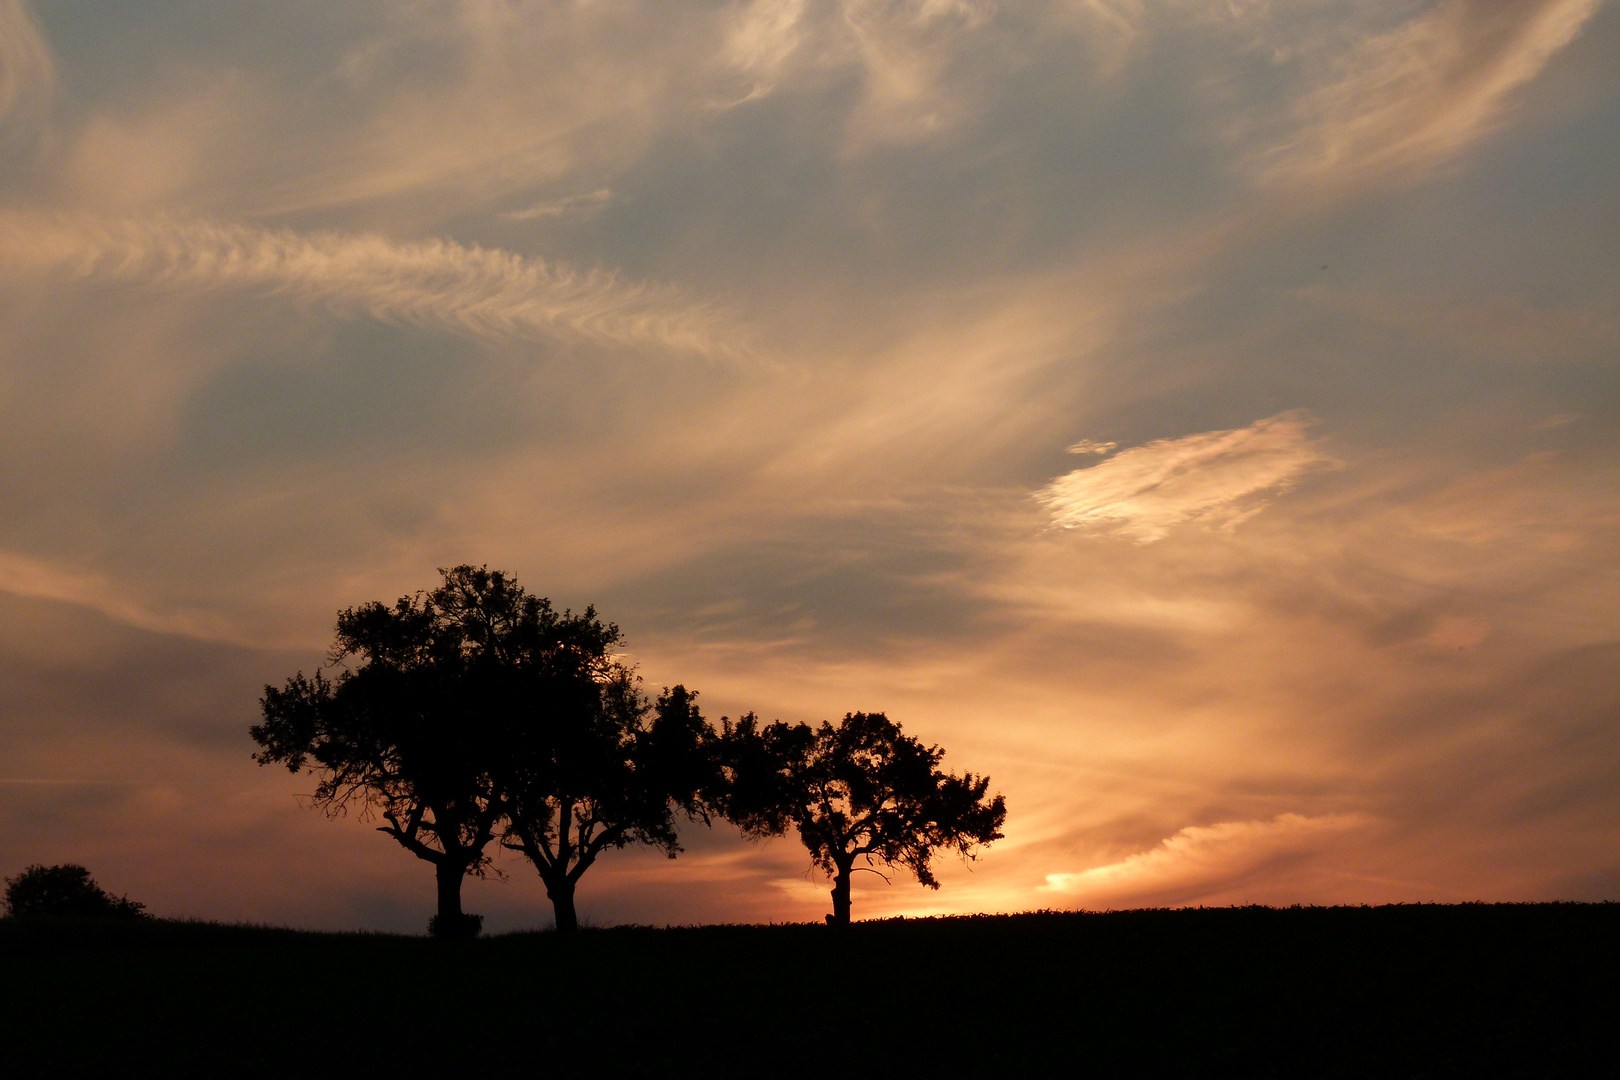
point(21, 575)
point(27, 73)
point(1412, 98)
point(1202, 861)
point(436, 284)
point(1219, 478)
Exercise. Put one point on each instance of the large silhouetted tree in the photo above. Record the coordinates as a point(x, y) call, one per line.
point(597, 766)
point(862, 791)
point(420, 714)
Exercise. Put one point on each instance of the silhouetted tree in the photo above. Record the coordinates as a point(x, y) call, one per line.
point(860, 791)
point(66, 890)
point(597, 767)
point(413, 726)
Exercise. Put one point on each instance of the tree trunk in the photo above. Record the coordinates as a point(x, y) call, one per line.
point(450, 922)
point(840, 898)
point(450, 878)
point(562, 900)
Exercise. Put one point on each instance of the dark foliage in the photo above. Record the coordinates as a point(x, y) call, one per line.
point(479, 712)
point(410, 731)
point(65, 891)
point(600, 767)
point(862, 791)
point(1396, 993)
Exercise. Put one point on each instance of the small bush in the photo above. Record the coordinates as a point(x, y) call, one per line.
point(66, 890)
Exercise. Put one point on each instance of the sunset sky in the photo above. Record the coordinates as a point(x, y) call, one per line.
point(1198, 415)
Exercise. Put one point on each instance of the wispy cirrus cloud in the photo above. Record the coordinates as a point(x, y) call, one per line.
point(568, 206)
point(763, 35)
point(432, 284)
point(1409, 99)
point(1203, 862)
point(27, 73)
point(1215, 477)
point(903, 53)
point(21, 575)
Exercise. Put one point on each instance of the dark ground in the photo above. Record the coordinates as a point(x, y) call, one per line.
point(1401, 991)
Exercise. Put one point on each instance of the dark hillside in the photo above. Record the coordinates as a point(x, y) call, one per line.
point(1403, 991)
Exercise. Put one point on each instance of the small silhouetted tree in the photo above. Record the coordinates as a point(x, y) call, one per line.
point(598, 767)
point(859, 792)
point(411, 729)
point(65, 890)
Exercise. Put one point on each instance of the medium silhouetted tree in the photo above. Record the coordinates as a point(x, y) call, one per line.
point(66, 890)
point(597, 767)
point(862, 791)
point(413, 727)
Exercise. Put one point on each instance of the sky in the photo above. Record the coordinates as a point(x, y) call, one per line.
point(1200, 416)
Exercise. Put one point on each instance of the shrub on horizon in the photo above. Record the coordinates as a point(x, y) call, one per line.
point(66, 890)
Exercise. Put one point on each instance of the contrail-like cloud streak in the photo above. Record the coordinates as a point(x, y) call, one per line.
point(433, 284)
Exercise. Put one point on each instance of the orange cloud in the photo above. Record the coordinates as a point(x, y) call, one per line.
point(1202, 862)
point(1216, 478)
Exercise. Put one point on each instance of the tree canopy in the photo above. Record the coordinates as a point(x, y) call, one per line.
point(604, 768)
point(478, 712)
point(410, 730)
point(67, 890)
point(860, 791)
point(477, 716)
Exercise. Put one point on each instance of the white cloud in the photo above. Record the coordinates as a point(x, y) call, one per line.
point(765, 34)
point(433, 284)
point(1417, 95)
point(1202, 862)
point(27, 73)
point(1216, 477)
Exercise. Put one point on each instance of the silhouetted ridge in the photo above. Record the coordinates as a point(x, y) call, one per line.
point(1388, 992)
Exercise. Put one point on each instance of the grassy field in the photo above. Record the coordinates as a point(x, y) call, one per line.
point(1402, 991)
